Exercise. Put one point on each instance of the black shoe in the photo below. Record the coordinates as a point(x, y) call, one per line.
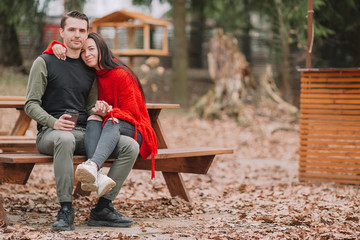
point(108, 217)
point(64, 220)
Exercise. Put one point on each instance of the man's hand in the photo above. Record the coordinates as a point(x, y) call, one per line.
point(59, 51)
point(101, 108)
point(63, 124)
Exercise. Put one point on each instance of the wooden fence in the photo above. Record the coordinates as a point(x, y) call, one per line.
point(330, 125)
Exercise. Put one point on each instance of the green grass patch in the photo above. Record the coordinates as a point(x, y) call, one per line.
point(12, 82)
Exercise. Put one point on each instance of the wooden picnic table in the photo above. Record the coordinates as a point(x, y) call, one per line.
point(173, 180)
point(16, 167)
point(23, 122)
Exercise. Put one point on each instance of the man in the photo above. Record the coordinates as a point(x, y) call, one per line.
point(55, 85)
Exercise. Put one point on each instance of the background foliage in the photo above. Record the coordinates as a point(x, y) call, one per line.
point(281, 25)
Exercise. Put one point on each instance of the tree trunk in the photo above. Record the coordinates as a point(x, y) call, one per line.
point(10, 54)
point(246, 39)
point(180, 56)
point(356, 52)
point(285, 51)
point(196, 33)
point(74, 5)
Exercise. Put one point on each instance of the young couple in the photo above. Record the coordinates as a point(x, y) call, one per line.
point(113, 119)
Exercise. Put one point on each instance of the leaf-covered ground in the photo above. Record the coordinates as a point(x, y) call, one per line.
point(253, 193)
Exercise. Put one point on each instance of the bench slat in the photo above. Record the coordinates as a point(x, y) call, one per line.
point(12, 98)
point(162, 154)
point(16, 138)
point(13, 145)
point(177, 160)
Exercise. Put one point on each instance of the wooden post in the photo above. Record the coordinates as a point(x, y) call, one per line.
point(130, 38)
point(146, 36)
point(115, 47)
point(165, 40)
point(95, 28)
point(131, 61)
point(310, 34)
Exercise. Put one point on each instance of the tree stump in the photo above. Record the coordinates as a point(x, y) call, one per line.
point(234, 84)
point(231, 74)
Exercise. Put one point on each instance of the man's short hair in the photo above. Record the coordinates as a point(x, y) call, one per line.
point(73, 14)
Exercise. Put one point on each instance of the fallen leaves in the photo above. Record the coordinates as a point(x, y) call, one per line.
point(251, 194)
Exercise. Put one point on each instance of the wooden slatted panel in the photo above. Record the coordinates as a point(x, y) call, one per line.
point(330, 126)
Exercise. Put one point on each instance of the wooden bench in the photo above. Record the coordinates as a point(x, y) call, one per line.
point(16, 167)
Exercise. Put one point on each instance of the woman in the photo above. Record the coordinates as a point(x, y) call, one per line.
point(121, 110)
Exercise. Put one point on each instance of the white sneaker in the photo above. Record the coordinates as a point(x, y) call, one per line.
point(104, 183)
point(86, 172)
point(89, 187)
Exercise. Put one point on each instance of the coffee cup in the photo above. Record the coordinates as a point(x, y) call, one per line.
point(74, 115)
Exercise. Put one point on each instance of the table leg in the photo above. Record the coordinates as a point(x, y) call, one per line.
point(173, 180)
point(176, 185)
point(78, 191)
point(155, 124)
point(21, 125)
point(3, 216)
point(17, 173)
point(160, 138)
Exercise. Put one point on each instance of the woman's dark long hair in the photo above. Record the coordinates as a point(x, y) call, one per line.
point(107, 60)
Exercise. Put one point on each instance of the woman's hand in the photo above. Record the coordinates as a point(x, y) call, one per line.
point(101, 108)
point(59, 51)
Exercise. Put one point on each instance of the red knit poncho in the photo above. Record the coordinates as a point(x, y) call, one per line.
point(118, 88)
